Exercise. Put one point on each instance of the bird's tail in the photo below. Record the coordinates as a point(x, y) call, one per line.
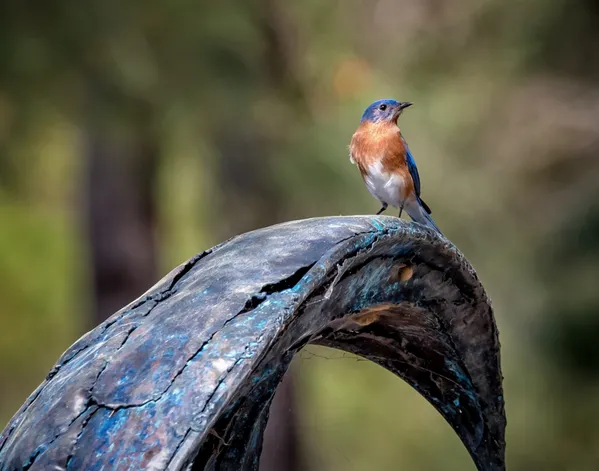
point(418, 213)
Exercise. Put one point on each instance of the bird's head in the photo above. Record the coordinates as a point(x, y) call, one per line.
point(384, 110)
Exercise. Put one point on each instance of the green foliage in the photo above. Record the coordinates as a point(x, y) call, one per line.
point(41, 291)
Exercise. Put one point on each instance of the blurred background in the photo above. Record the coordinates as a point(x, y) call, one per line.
point(134, 134)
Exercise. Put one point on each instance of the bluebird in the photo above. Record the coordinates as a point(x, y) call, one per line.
point(386, 163)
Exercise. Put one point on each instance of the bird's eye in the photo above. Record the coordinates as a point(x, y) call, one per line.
point(383, 107)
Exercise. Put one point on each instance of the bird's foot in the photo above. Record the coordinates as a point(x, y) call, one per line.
point(382, 209)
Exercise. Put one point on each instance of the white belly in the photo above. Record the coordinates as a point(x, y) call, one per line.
point(386, 187)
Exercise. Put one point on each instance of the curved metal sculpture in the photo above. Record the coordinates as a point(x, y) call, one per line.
point(182, 378)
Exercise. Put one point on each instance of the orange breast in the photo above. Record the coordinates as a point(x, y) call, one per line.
point(381, 142)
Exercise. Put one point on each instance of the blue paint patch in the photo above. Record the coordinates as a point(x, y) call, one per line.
point(459, 373)
point(377, 224)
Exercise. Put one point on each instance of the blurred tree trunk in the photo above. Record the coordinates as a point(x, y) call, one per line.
point(250, 194)
point(120, 211)
point(251, 199)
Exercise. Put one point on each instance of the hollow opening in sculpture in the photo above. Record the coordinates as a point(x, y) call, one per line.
point(369, 311)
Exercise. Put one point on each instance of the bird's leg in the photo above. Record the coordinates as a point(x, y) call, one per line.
point(382, 209)
point(400, 211)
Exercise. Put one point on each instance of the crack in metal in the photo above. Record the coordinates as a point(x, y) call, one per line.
point(253, 303)
point(88, 402)
point(157, 297)
point(225, 375)
point(79, 435)
point(170, 460)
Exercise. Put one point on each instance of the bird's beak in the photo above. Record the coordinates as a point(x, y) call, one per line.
point(402, 106)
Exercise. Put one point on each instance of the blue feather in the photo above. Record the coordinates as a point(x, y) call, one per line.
point(415, 177)
point(413, 169)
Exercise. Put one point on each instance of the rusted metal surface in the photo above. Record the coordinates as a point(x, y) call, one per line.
point(181, 379)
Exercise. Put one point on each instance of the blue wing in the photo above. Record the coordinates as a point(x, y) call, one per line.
point(413, 169)
point(415, 177)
